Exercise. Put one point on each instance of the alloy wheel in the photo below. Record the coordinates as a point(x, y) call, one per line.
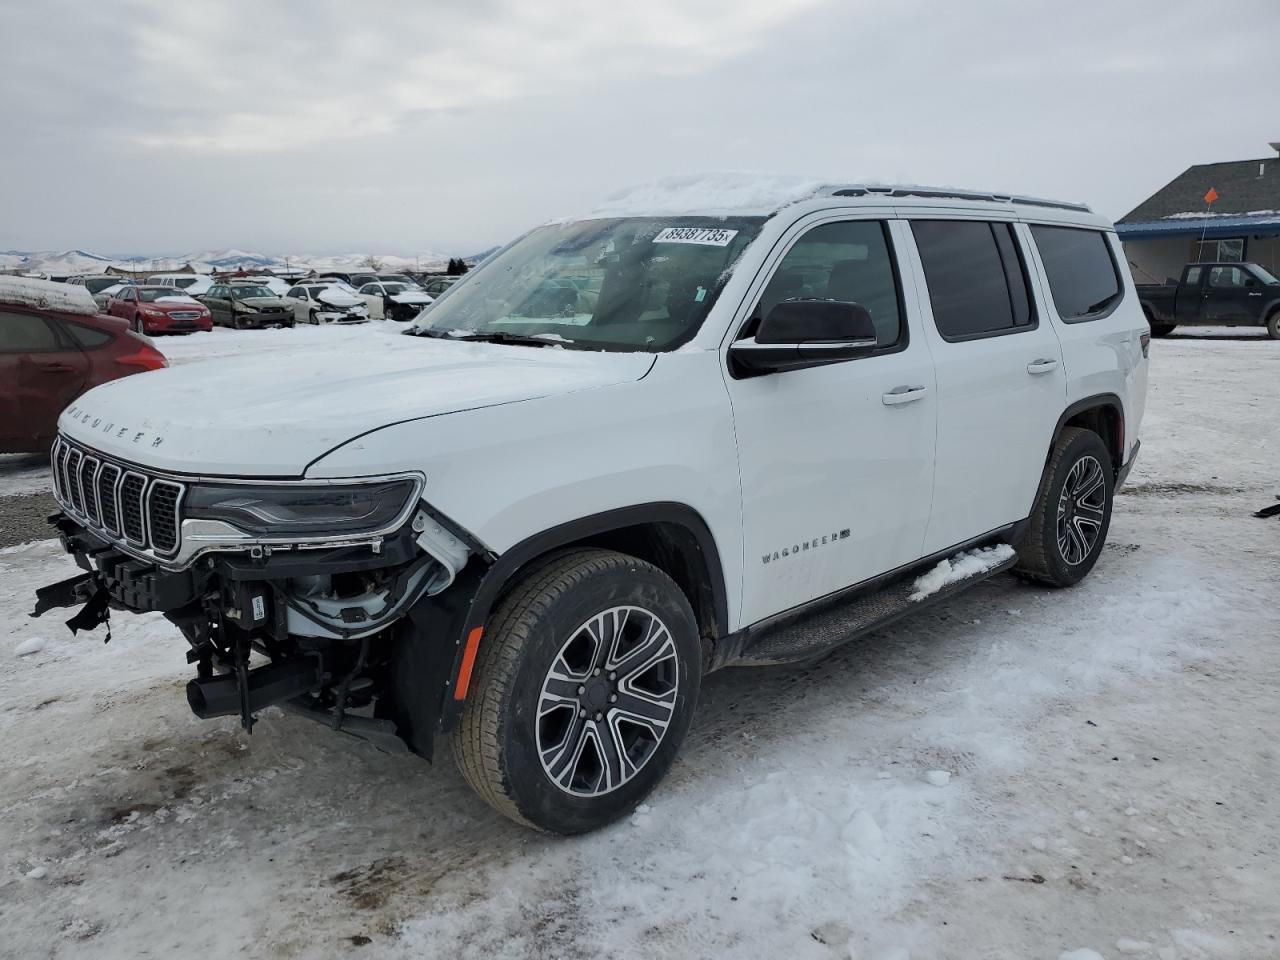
point(607, 701)
point(1081, 510)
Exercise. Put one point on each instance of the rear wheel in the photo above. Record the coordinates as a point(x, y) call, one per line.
point(1162, 329)
point(1072, 511)
point(584, 688)
point(1273, 325)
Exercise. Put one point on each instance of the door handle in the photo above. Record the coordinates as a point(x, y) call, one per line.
point(903, 395)
point(1257, 293)
point(55, 367)
point(1043, 365)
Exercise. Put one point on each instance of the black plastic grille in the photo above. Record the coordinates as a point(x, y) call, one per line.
point(131, 507)
point(107, 478)
point(73, 479)
point(88, 476)
point(162, 515)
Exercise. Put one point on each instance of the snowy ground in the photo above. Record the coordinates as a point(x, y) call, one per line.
point(1016, 774)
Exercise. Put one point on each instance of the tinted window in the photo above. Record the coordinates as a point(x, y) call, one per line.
point(1227, 277)
point(839, 261)
point(1082, 275)
point(975, 277)
point(24, 333)
point(87, 337)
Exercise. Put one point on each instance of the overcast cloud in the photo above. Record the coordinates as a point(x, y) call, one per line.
point(155, 126)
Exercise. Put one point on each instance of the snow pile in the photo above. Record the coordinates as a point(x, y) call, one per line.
point(733, 192)
point(968, 563)
point(29, 646)
point(45, 295)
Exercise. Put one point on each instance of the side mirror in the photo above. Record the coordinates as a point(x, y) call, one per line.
point(805, 333)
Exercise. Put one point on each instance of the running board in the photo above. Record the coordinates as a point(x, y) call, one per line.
point(819, 632)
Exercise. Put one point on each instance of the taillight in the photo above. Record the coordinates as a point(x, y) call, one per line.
point(1145, 340)
point(147, 357)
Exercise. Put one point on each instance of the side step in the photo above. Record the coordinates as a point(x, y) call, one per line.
point(814, 633)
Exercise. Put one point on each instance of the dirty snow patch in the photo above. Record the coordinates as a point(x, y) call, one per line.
point(968, 563)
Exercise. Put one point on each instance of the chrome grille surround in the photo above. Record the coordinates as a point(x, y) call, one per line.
point(118, 500)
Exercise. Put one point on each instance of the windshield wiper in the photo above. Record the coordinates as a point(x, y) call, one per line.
point(426, 332)
point(503, 336)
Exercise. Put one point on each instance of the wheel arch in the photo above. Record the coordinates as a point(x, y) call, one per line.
point(672, 536)
point(1102, 413)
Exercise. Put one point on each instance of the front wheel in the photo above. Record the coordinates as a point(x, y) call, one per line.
point(1072, 511)
point(137, 325)
point(584, 688)
point(1162, 329)
point(1273, 325)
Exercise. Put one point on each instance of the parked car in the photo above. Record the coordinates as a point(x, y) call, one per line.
point(54, 345)
point(438, 285)
point(243, 305)
point(95, 284)
point(1214, 294)
point(538, 533)
point(193, 284)
point(406, 279)
point(103, 296)
point(394, 301)
point(154, 310)
point(323, 301)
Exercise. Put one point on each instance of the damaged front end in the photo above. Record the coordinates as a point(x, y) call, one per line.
point(345, 602)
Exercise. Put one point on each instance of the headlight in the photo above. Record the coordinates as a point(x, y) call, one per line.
point(152, 312)
point(301, 509)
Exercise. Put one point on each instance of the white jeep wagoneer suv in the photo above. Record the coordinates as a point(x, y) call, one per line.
point(709, 424)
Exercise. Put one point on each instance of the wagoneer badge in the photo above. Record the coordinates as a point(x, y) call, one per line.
point(804, 545)
point(112, 429)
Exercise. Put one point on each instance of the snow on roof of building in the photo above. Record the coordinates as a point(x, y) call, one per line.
point(46, 295)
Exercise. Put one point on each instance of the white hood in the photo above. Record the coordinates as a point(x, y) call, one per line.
point(259, 416)
point(412, 296)
point(339, 298)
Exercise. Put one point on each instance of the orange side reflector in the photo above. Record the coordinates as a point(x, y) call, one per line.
point(468, 663)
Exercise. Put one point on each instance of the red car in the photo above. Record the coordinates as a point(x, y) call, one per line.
point(155, 309)
point(54, 345)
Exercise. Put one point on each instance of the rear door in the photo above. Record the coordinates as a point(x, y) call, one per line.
point(1190, 295)
point(41, 371)
point(1000, 383)
point(836, 461)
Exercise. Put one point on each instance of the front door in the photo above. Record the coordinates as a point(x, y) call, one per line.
point(1230, 298)
point(836, 462)
point(1001, 386)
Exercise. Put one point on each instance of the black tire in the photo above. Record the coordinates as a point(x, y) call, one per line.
point(1162, 329)
point(539, 626)
point(1042, 554)
point(137, 325)
point(1273, 325)
point(314, 317)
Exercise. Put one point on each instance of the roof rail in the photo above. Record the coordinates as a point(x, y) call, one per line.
point(864, 190)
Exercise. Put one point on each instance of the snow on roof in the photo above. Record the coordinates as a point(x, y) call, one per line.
point(46, 295)
point(730, 192)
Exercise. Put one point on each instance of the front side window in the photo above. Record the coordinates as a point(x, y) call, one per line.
point(1081, 271)
point(25, 333)
point(656, 277)
point(1193, 276)
point(1228, 277)
point(848, 261)
point(976, 280)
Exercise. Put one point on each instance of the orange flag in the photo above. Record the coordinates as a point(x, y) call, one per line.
point(1211, 196)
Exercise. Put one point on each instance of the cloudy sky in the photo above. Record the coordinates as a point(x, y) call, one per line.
point(167, 126)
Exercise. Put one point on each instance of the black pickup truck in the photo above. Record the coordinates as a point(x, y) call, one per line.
point(1214, 294)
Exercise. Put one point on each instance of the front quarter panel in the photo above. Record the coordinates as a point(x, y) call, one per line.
point(507, 473)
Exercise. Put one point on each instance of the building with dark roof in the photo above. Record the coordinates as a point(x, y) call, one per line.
point(1176, 225)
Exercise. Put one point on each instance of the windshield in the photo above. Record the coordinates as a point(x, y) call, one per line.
point(98, 284)
point(629, 284)
point(250, 290)
point(147, 294)
point(1264, 275)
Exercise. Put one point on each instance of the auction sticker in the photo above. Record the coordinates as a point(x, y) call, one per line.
point(705, 236)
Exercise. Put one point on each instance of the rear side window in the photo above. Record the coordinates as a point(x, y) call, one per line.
point(26, 333)
point(1082, 274)
point(976, 279)
point(87, 337)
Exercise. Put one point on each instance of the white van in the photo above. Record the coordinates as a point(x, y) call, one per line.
point(192, 284)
